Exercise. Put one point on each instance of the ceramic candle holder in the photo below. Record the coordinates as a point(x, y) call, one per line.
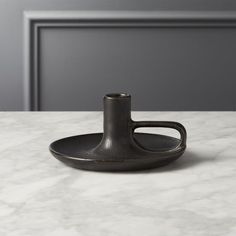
point(120, 148)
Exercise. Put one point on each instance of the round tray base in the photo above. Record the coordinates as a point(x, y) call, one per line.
point(77, 152)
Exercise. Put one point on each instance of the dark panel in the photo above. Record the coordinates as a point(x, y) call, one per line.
point(11, 28)
point(163, 68)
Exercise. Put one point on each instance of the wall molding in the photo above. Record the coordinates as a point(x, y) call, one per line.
point(34, 21)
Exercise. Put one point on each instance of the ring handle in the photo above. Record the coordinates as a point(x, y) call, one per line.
point(165, 124)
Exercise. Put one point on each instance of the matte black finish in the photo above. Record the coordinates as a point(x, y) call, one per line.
point(119, 148)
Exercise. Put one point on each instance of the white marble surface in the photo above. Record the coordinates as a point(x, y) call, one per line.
point(40, 196)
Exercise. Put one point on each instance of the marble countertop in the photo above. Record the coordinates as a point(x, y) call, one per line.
point(39, 196)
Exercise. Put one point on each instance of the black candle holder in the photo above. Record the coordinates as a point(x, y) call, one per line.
point(119, 148)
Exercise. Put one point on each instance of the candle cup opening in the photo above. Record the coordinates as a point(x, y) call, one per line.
point(117, 95)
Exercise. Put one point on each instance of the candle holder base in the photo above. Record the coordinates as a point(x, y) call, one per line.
point(80, 152)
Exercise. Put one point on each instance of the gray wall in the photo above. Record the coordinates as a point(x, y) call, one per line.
point(206, 89)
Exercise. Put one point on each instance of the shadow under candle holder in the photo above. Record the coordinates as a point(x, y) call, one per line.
point(188, 159)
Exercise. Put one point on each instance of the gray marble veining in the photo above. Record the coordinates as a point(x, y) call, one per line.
point(40, 196)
